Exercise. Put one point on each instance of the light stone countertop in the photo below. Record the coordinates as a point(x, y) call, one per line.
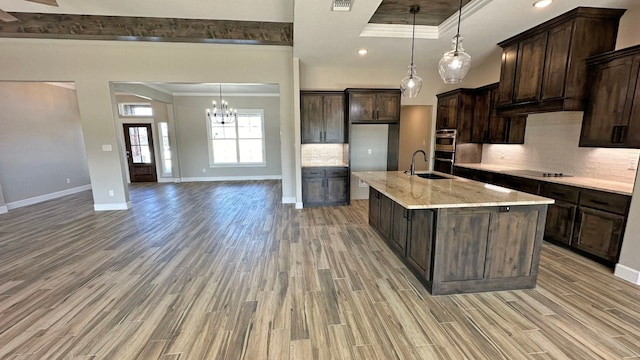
point(583, 182)
point(413, 192)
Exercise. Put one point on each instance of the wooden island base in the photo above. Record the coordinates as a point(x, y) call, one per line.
point(463, 250)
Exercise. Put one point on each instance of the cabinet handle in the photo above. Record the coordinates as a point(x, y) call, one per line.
point(618, 134)
point(377, 114)
point(320, 136)
point(325, 183)
point(405, 214)
point(599, 202)
point(557, 193)
point(325, 136)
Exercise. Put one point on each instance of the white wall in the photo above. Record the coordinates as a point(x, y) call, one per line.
point(551, 144)
point(41, 144)
point(93, 65)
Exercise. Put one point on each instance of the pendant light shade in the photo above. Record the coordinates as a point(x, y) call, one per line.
point(455, 63)
point(411, 84)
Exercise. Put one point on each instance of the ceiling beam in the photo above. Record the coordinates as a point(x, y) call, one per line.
point(93, 27)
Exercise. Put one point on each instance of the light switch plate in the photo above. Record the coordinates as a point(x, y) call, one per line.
point(107, 147)
point(633, 164)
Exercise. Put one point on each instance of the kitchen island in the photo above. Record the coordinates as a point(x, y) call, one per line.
point(458, 235)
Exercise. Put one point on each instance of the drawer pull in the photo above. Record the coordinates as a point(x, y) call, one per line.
point(557, 193)
point(599, 202)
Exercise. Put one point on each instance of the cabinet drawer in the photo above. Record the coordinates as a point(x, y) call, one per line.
point(615, 203)
point(517, 183)
point(313, 172)
point(336, 172)
point(560, 192)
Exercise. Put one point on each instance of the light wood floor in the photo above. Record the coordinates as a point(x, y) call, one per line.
point(224, 271)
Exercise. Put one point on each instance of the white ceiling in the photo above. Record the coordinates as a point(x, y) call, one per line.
point(330, 39)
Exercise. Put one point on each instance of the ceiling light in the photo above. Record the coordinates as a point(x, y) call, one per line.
point(455, 63)
point(224, 114)
point(363, 51)
point(411, 84)
point(542, 3)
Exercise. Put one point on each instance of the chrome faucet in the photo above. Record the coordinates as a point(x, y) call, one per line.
point(413, 160)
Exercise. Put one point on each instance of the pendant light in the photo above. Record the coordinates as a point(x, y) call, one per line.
point(411, 84)
point(224, 114)
point(455, 63)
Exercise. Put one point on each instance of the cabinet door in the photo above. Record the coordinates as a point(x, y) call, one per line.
point(481, 116)
point(374, 207)
point(387, 106)
point(447, 112)
point(517, 126)
point(598, 233)
point(336, 189)
point(384, 219)
point(560, 219)
point(632, 136)
point(507, 75)
point(420, 241)
point(313, 190)
point(605, 118)
point(530, 68)
point(557, 58)
point(334, 124)
point(362, 107)
point(399, 228)
point(311, 118)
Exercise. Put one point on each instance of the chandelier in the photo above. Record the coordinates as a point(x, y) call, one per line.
point(224, 114)
point(411, 84)
point(455, 63)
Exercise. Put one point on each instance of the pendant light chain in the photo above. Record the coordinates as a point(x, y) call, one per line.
point(458, 33)
point(414, 10)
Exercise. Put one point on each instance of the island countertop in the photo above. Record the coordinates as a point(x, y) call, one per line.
point(413, 192)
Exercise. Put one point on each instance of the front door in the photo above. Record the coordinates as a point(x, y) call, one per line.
point(139, 146)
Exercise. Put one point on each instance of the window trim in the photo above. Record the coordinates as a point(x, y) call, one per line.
point(235, 123)
point(122, 105)
point(163, 169)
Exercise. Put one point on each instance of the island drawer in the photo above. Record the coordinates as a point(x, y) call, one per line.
point(611, 202)
point(560, 192)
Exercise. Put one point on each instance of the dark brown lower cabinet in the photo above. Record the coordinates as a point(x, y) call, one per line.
point(461, 250)
point(560, 219)
point(374, 207)
point(420, 241)
point(398, 233)
point(325, 186)
point(599, 233)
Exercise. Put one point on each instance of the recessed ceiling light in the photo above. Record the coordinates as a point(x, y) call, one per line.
point(363, 51)
point(542, 3)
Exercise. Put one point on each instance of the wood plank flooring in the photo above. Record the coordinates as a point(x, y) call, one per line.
point(224, 271)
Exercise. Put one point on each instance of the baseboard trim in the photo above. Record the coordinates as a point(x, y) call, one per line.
point(627, 273)
point(3, 210)
point(232, 178)
point(167, 180)
point(46, 197)
point(112, 207)
point(299, 205)
point(288, 200)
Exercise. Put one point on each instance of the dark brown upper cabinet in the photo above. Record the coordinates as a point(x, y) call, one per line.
point(455, 111)
point(544, 68)
point(488, 127)
point(322, 117)
point(612, 116)
point(373, 105)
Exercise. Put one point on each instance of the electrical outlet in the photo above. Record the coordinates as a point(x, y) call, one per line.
point(369, 151)
point(362, 183)
point(68, 181)
point(633, 164)
point(204, 170)
point(111, 193)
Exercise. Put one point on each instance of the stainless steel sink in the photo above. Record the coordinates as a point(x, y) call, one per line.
point(432, 176)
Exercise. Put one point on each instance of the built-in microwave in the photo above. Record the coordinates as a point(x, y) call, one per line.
point(445, 140)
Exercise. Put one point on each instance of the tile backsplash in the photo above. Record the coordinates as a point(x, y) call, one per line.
point(551, 144)
point(325, 154)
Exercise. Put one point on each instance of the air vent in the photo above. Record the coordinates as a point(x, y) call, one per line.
point(342, 5)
